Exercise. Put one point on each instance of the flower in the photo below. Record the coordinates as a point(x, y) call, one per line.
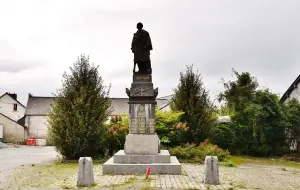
point(115, 133)
point(172, 132)
point(111, 130)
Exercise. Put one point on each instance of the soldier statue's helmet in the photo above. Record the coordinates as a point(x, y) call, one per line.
point(139, 25)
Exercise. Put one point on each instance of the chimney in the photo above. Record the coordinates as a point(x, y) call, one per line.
point(14, 95)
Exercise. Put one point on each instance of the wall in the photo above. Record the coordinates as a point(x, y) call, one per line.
point(37, 126)
point(12, 131)
point(7, 108)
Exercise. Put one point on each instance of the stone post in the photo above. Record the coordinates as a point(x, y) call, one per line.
point(85, 172)
point(211, 170)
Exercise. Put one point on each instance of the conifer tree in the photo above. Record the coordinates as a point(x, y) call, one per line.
point(81, 106)
point(192, 98)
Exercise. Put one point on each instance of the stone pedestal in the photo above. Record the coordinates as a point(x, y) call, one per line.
point(141, 147)
point(141, 144)
point(211, 170)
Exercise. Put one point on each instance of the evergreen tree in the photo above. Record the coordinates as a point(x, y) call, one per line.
point(192, 98)
point(81, 106)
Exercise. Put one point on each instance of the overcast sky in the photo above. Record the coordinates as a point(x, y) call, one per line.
point(39, 40)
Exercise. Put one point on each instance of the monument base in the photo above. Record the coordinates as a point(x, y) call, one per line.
point(123, 164)
point(141, 144)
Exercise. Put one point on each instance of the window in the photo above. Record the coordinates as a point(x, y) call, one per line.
point(15, 107)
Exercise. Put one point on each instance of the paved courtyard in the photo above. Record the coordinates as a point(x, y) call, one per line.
point(243, 177)
point(18, 172)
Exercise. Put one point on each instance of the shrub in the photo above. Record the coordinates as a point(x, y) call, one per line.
point(116, 131)
point(223, 135)
point(170, 128)
point(193, 153)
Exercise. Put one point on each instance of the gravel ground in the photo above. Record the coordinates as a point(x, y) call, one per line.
point(3, 145)
point(264, 176)
point(11, 159)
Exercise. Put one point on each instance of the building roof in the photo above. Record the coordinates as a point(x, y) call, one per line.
point(11, 119)
point(10, 95)
point(21, 121)
point(290, 89)
point(39, 106)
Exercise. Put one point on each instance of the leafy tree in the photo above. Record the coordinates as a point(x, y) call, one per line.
point(238, 92)
point(192, 98)
point(259, 120)
point(292, 111)
point(81, 106)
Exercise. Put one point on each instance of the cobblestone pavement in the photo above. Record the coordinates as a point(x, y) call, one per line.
point(191, 179)
point(244, 177)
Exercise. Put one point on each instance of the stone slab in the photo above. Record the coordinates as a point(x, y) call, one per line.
point(109, 167)
point(141, 144)
point(162, 157)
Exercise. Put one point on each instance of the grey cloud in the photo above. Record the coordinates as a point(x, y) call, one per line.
point(261, 37)
point(12, 66)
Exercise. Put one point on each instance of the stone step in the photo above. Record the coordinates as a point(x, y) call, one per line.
point(109, 167)
point(162, 157)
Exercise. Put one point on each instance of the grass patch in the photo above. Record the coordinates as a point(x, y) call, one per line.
point(228, 164)
point(130, 181)
point(95, 161)
point(239, 160)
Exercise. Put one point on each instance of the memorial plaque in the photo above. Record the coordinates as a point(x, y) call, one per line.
point(151, 125)
point(142, 78)
point(142, 127)
point(132, 128)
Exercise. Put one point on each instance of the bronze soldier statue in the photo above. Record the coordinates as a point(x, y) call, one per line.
point(141, 46)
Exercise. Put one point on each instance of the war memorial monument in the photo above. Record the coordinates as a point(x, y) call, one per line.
point(141, 147)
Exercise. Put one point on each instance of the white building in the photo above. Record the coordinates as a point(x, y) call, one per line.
point(293, 92)
point(11, 107)
point(12, 118)
point(38, 107)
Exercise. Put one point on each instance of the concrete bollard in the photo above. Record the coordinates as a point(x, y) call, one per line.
point(85, 172)
point(211, 170)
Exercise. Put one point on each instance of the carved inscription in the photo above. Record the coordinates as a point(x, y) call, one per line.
point(142, 127)
point(151, 125)
point(132, 128)
point(141, 115)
